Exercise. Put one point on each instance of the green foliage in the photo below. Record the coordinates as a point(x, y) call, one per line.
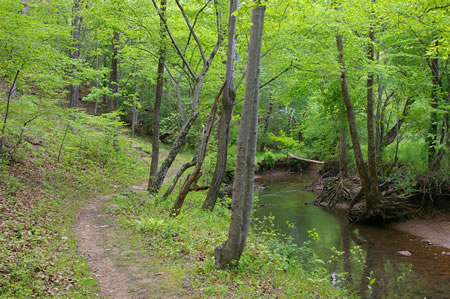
point(40, 195)
point(271, 265)
point(268, 158)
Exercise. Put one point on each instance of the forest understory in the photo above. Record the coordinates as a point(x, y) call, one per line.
point(194, 98)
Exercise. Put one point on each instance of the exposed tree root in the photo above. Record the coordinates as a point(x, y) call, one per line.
point(395, 204)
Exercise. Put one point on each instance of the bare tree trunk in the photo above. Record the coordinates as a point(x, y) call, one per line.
point(2, 137)
point(373, 200)
point(158, 98)
point(378, 120)
point(97, 80)
point(362, 170)
point(343, 169)
point(114, 76)
point(226, 113)
point(391, 135)
point(266, 125)
point(433, 163)
point(199, 158)
point(179, 141)
point(134, 115)
point(228, 253)
point(75, 52)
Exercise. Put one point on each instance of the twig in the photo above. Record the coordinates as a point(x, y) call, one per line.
point(7, 108)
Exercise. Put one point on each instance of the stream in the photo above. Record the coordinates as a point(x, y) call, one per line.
point(364, 252)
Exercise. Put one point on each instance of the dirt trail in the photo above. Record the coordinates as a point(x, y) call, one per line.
point(122, 266)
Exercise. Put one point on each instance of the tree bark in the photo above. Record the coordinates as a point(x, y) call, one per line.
point(134, 113)
point(393, 132)
point(158, 98)
point(433, 163)
point(266, 125)
point(114, 75)
point(75, 52)
point(198, 159)
point(362, 170)
point(226, 113)
point(343, 168)
point(228, 253)
point(2, 137)
point(375, 196)
point(199, 80)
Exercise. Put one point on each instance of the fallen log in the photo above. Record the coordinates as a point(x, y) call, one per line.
point(291, 156)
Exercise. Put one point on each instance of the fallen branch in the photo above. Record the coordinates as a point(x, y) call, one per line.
point(199, 188)
point(304, 159)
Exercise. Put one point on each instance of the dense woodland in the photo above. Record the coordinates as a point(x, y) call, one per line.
point(360, 85)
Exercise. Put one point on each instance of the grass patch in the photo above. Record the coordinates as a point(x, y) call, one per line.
point(48, 171)
point(269, 267)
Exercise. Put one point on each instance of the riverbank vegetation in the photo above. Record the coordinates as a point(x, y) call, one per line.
point(273, 265)
point(360, 85)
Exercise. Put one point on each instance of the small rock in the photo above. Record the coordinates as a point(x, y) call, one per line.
point(428, 242)
point(113, 207)
point(145, 199)
point(404, 253)
point(127, 192)
point(121, 197)
point(445, 253)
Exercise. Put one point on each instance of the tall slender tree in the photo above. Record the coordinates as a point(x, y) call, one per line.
point(114, 74)
point(226, 112)
point(75, 51)
point(159, 94)
point(231, 250)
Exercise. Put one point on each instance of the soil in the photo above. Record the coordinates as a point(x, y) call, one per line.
point(120, 263)
point(435, 230)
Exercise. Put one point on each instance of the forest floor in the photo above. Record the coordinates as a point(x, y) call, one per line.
point(119, 262)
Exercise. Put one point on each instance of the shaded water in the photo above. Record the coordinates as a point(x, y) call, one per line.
point(364, 252)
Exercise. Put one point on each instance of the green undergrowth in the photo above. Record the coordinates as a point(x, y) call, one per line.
point(49, 168)
point(269, 267)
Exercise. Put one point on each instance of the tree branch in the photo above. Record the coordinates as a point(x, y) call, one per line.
point(276, 76)
point(191, 29)
point(191, 72)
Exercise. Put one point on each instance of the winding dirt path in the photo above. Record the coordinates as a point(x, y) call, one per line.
point(121, 265)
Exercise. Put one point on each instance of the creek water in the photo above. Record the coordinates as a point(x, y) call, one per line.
point(363, 252)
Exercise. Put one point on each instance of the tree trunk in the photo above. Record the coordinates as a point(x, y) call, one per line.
point(378, 120)
point(226, 113)
point(199, 159)
point(114, 75)
point(266, 125)
point(134, 115)
point(352, 120)
point(433, 163)
point(97, 79)
point(158, 97)
point(228, 253)
point(2, 137)
point(199, 80)
point(391, 135)
point(75, 52)
point(375, 196)
point(343, 169)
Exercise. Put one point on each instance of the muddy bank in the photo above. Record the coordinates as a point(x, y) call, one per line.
point(436, 229)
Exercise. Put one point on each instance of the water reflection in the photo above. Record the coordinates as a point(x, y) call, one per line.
point(369, 255)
